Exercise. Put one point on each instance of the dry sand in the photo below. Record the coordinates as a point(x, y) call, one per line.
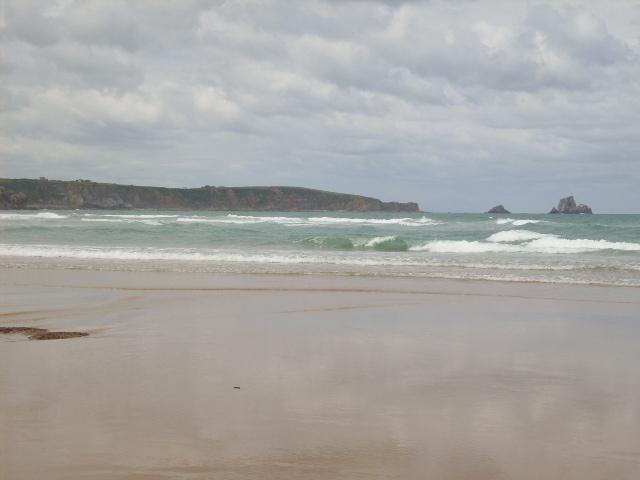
point(339, 378)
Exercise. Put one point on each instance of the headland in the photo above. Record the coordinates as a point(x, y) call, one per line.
point(85, 194)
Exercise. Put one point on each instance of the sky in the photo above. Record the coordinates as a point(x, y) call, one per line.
point(458, 105)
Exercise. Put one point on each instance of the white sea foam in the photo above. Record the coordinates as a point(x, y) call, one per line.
point(547, 244)
point(233, 219)
point(131, 254)
point(517, 223)
point(311, 221)
point(31, 216)
point(123, 220)
point(209, 255)
point(239, 219)
point(543, 245)
point(360, 263)
point(464, 246)
point(407, 222)
point(131, 216)
point(516, 236)
point(183, 255)
point(563, 245)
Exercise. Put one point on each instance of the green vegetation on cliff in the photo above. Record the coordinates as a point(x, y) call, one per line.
point(85, 194)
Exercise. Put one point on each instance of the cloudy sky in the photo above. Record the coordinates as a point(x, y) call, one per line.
point(456, 104)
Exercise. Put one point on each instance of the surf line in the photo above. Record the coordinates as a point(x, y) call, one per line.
point(336, 290)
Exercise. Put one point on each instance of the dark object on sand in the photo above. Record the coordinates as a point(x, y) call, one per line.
point(498, 209)
point(568, 205)
point(40, 333)
point(237, 388)
point(56, 335)
point(22, 330)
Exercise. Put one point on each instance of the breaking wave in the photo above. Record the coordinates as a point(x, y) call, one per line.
point(131, 216)
point(188, 255)
point(308, 221)
point(230, 219)
point(545, 244)
point(553, 244)
point(145, 221)
point(517, 223)
point(407, 222)
point(363, 262)
point(390, 243)
point(239, 219)
point(387, 244)
point(516, 236)
point(463, 246)
point(31, 216)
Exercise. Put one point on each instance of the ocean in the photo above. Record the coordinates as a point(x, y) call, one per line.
point(574, 249)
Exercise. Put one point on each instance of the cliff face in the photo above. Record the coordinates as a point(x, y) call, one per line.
point(84, 194)
point(11, 199)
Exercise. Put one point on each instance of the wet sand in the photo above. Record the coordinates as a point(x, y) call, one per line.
point(339, 378)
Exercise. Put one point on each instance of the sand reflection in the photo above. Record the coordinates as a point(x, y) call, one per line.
point(344, 385)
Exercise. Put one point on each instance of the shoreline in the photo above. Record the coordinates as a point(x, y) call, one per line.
point(185, 282)
point(35, 265)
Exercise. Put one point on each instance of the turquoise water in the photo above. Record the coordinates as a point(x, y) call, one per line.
point(599, 249)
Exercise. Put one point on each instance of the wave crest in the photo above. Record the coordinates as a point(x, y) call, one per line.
point(515, 222)
point(309, 221)
point(463, 246)
point(563, 245)
point(388, 244)
point(546, 244)
point(31, 216)
point(516, 236)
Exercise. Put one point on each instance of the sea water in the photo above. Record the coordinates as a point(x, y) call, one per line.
point(581, 249)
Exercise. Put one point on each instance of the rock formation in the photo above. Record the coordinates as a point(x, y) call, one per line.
point(85, 194)
point(499, 209)
point(568, 205)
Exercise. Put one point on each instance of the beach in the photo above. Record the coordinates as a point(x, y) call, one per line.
point(230, 376)
point(322, 240)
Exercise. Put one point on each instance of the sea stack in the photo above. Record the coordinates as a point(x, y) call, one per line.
point(568, 205)
point(499, 209)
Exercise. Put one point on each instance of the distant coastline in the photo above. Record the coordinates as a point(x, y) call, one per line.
point(86, 194)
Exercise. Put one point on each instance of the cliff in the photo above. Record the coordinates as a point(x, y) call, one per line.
point(11, 199)
point(85, 194)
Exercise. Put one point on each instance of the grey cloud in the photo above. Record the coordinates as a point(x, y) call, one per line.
point(404, 100)
point(577, 33)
